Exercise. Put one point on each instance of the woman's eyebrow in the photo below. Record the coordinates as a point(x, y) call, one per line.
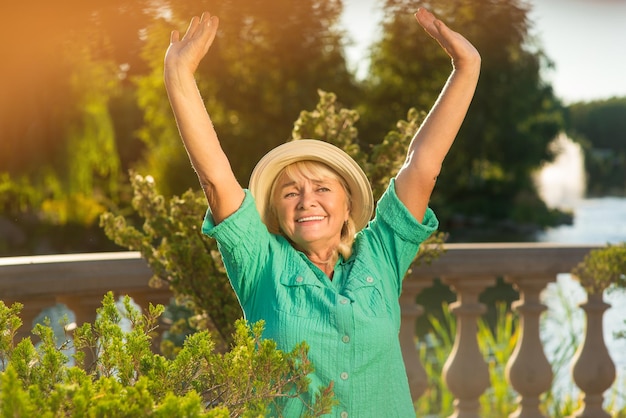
point(288, 184)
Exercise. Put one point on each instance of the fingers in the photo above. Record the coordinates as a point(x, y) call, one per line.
point(455, 45)
point(193, 27)
point(433, 26)
point(426, 19)
point(174, 36)
point(204, 27)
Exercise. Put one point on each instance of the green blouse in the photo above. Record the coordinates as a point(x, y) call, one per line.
point(351, 323)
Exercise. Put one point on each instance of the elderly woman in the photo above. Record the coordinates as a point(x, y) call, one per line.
point(300, 246)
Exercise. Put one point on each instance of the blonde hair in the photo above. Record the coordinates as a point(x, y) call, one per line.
point(313, 170)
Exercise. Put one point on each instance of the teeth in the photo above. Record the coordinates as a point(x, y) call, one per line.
point(311, 218)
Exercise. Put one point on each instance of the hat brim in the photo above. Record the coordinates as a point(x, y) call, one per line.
point(268, 168)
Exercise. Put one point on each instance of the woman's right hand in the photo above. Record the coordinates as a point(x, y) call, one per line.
point(185, 54)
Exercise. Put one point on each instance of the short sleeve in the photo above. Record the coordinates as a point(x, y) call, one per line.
point(228, 232)
point(392, 211)
point(243, 242)
point(394, 236)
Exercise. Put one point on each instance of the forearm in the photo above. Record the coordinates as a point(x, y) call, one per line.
point(194, 124)
point(428, 148)
point(211, 164)
point(437, 133)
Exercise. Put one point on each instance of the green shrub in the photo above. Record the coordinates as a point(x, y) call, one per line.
point(125, 379)
point(602, 268)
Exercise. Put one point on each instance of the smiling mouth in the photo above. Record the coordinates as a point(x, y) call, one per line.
point(310, 218)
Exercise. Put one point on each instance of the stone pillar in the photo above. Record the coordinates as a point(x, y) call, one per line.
point(466, 373)
point(593, 370)
point(418, 380)
point(528, 370)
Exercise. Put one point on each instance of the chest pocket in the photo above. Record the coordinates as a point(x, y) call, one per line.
point(301, 296)
point(366, 293)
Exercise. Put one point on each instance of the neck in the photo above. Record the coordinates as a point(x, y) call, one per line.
point(325, 261)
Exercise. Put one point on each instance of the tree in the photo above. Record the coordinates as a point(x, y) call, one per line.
point(36, 82)
point(601, 128)
point(513, 117)
point(59, 137)
point(267, 64)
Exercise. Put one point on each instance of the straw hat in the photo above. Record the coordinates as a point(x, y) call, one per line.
point(267, 169)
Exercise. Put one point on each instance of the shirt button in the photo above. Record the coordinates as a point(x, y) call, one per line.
point(344, 414)
point(344, 376)
point(369, 279)
point(345, 339)
point(299, 279)
point(344, 301)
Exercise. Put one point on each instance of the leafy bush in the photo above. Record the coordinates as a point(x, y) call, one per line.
point(125, 379)
point(602, 268)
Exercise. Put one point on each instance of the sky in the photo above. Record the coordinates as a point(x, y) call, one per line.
point(586, 39)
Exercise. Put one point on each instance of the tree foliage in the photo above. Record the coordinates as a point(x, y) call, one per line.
point(512, 119)
point(266, 64)
point(36, 86)
point(601, 127)
point(57, 129)
point(127, 380)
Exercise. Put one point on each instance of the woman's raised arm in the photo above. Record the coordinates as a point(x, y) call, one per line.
point(223, 193)
point(416, 179)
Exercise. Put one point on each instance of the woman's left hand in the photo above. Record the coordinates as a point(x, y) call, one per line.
point(460, 50)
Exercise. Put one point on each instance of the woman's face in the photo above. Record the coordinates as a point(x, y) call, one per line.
point(311, 212)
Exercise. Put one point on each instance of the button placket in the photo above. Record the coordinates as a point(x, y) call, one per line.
point(345, 322)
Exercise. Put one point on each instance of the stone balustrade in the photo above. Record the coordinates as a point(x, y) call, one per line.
point(80, 281)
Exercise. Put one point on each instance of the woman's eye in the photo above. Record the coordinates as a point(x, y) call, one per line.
point(323, 189)
point(291, 194)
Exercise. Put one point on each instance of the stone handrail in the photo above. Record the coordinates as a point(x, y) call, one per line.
point(80, 281)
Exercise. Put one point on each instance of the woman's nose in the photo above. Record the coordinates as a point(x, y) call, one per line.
point(307, 199)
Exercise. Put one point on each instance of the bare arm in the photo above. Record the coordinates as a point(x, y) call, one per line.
point(223, 192)
point(416, 179)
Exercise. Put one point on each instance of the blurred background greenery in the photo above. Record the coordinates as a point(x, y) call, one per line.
point(83, 103)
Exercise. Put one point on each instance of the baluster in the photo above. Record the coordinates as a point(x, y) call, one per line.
point(466, 373)
point(528, 370)
point(593, 370)
point(418, 380)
